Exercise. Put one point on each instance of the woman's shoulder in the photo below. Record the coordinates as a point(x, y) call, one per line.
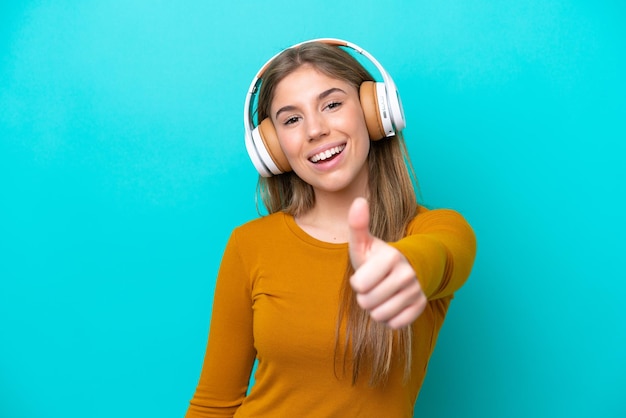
point(427, 218)
point(259, 235)
point(263, 225)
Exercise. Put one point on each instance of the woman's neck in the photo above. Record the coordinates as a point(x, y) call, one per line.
point(327, 220)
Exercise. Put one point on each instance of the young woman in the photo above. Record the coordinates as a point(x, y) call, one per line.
point(340, 291)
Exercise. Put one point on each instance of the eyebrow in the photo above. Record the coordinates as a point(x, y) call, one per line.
point(321, 96)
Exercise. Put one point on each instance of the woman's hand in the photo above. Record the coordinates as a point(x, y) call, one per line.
point(384, 281)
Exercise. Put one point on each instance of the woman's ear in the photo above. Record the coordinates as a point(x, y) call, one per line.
point(369, 104)
point(267, 131)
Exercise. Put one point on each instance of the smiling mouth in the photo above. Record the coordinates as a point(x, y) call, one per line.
point(328, 154)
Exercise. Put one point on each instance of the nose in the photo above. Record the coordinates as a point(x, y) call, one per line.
point(316, 126)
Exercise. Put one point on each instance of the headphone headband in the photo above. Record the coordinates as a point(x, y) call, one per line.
point(260, 152)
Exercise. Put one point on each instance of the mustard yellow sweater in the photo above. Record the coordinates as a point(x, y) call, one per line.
point(276, 300)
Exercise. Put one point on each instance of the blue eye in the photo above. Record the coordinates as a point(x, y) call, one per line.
point(333, 105)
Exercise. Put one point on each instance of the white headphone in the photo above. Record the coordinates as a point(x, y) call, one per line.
point(380, 101)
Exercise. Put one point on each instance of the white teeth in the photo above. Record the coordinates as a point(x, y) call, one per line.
point(327, 154)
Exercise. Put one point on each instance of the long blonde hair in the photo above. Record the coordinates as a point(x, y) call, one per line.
point(393, 204)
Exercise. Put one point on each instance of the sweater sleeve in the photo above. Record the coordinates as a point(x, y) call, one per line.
point(440, 246)
point(230, 349)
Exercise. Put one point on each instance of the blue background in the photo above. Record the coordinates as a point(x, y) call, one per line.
point(123, 171)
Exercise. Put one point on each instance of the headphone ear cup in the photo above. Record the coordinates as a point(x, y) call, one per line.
point(268, 135)
point(369, 104)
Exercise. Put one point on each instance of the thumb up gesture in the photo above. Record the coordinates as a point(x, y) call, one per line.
point(384, 281)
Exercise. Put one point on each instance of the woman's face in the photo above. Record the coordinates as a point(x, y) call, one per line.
point(321, 129)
